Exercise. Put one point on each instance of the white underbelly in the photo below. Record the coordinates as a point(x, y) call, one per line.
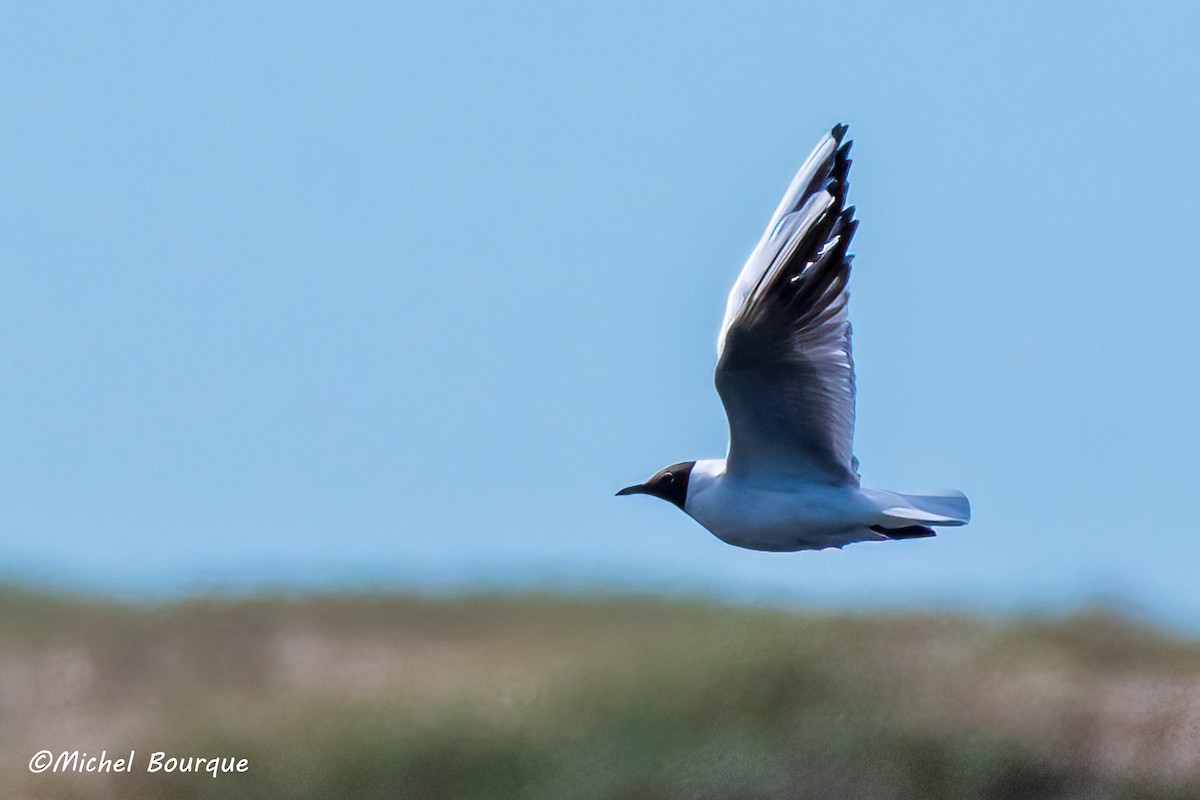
point(799, 517)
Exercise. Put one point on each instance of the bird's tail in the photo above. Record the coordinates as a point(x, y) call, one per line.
point(900, 511)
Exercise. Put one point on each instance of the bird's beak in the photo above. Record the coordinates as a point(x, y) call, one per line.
point(637, 489)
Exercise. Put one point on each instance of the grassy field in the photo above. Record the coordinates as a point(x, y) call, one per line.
point(561, 698)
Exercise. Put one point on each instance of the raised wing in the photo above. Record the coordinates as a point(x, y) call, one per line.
point(785, 372)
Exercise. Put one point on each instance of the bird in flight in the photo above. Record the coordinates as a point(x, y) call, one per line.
point(785, 375)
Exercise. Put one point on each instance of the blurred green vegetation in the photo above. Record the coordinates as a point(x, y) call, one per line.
point(565, 698)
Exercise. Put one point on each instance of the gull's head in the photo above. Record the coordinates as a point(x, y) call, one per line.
point(670, 484)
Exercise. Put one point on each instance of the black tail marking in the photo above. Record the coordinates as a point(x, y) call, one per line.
point(907, 532)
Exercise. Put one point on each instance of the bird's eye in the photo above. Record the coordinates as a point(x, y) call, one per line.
point(670, 476)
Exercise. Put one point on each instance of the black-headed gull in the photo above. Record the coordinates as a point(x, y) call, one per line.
point(786, 377)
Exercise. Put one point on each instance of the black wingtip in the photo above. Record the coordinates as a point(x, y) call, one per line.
point(839, 131)
point(840, 172)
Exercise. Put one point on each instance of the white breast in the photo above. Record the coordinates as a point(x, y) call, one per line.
point(792, 516)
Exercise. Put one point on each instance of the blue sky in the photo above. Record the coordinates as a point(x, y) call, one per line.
point(324, 293)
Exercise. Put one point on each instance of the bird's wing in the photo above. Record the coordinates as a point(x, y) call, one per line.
point(785, 371)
